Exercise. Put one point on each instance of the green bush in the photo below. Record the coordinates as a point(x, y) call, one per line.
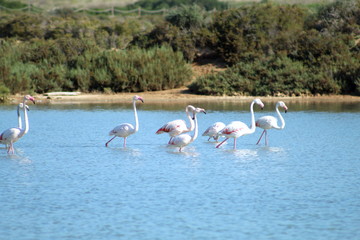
point(254, 31)
point(274, 76)
point(66, 64)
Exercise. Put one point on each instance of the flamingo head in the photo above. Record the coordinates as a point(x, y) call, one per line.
point(190, 108)
point(282, 104)
point(21, 105)
point(28, 97)
point(259, 102)
point(138, 98)
point(198, 110)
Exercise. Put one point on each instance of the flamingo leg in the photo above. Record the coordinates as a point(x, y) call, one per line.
point(124, 142)
point(11, 149)
point(266, 138)
point(106, 144)
point(170, 140)
point(261, 136)
point(209, 138)
point(235, 143)
point(217, 146)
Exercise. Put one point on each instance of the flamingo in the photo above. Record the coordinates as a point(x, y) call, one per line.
point(126, 129)
point(268, 122)
point(178, 126)
point(237, 129)
point(12, 135)
point(185, 139)
point(213, 131)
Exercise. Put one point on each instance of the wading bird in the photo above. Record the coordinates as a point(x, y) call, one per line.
point(183, 140)
point(268, 122)
point(12, 135)
point(178, 126)
point(213, 131)
point(126, 129)
point(237, 129)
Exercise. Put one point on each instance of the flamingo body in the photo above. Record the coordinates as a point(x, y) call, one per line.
point(237, 129)
point(213, 131)
point(269, 122)
point(181, 141)
point(123, 130)
point(126, 129)
point(174, 128)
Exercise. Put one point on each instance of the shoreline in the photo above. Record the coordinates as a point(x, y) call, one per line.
point(169, 96)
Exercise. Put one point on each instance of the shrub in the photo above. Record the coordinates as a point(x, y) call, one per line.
point(272, 77)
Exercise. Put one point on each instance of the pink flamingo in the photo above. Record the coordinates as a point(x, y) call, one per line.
point(12, 135)
point(126, 129)
point(213, 131)
point(237, 129)
point(177, 127)
point(268, 122)
point(185, 139)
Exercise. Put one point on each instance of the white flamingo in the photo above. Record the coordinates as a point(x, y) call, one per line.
point(183, 140)
point(178, 126)
point(126, 129)
point(237, 129)
point(12, 135)
point(268, 122)
point(213, 131)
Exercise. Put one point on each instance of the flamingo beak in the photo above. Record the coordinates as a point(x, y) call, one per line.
point(142, 100)
point(285, 110)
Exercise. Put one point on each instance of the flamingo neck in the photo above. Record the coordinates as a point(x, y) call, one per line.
point(136, 116)
point(195, 134)
point(190, 119)
point(280, 116)
point(253, 126)
point(19, 117)
point(26, 129)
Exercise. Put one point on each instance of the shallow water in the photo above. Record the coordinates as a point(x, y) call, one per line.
point(63, 183)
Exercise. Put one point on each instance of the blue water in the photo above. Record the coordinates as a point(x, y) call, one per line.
point(63, 183)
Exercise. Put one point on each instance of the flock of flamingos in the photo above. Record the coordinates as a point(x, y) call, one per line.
point(177, 129)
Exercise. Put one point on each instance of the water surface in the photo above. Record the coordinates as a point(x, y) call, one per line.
point(63, 183)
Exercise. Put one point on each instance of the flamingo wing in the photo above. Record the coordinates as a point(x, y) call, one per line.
point(267, 122)
point(10, 135)
point(123, 130)
point(181, 140)
point(174, 128)
point(234, 129)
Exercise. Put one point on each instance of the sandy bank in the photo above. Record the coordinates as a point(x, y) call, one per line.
point(171, 96)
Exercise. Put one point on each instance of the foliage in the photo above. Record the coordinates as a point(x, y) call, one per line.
point(271, 77)
point(255, 31)
point(4, 92)
point(66, 64)
point(185, 30)
point(269, 48)
point(166, 4)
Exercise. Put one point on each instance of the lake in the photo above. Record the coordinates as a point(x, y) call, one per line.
point(63, 183)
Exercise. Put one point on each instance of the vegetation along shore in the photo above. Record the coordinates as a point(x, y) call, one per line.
point(207, 49)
